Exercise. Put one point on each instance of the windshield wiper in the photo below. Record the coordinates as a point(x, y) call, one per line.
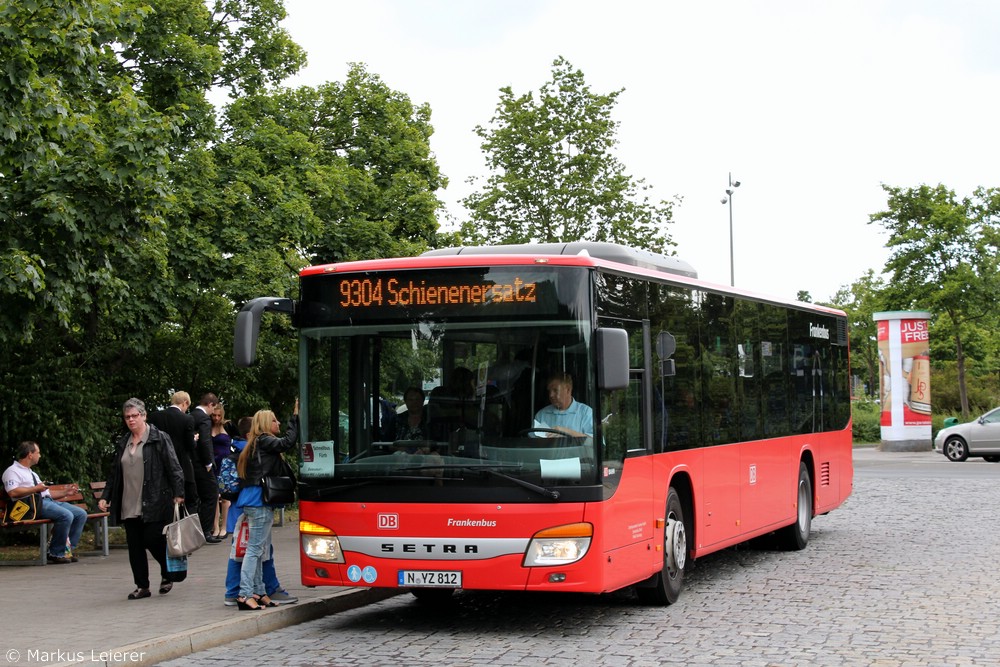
point(541, 490)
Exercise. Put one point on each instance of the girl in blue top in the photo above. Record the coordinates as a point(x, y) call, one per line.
point(259, 458)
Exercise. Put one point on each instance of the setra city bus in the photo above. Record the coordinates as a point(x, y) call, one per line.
point(715, 416)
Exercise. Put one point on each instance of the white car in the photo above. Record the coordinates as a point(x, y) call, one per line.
point(976, 438)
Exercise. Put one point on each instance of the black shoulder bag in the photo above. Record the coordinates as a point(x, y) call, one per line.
point(277, 489)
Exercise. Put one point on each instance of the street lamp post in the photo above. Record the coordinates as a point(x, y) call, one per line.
point(728, 199)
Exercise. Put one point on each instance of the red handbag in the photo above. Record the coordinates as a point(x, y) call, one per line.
point(242, 537)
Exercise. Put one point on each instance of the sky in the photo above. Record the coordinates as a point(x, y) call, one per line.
point(810, 105)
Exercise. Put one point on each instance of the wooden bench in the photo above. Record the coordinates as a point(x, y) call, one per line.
point(97, 490)
point(98, 520)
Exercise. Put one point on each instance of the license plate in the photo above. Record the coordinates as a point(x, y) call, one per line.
point(430, 578)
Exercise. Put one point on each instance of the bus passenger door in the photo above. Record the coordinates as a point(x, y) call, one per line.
point(628, 516)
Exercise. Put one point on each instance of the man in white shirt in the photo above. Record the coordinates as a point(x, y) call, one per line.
point(563, 413)
point(20, 480)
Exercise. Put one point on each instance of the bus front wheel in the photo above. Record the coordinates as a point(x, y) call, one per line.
point(796, 536)
point(665, 586)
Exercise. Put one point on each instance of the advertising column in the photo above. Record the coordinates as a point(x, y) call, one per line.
point(904, 380)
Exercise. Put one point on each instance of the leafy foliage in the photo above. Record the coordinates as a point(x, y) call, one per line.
point(982, 387)
point(861, 300)
point(554, 176)
point(135, 224)
point(84, 175)
point(944, 258)
point(347, 166)
point(866, 422)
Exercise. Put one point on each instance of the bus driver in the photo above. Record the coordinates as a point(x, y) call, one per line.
point(564, 414)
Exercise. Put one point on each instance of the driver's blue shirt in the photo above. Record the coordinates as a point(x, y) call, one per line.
point(577, 416)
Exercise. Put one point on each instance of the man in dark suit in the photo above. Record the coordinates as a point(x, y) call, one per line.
point(179, 425)
point(204, 462)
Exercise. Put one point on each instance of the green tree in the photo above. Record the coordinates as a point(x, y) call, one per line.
point(299, 176)
point(554, 176)
point(83, 169)
point(861, 300)
point(943, 259)
point(135, 223)
point(100, 102)
point(350, 162)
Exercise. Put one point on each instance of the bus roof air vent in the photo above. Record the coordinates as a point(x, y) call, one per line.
point(611, 252)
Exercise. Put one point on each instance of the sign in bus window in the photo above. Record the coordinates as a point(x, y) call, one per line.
point(318, 458)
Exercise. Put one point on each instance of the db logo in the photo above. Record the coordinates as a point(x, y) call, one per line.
point(388, 521)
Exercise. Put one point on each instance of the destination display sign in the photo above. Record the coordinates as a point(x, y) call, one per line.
point(394, 292)
point(443, 293)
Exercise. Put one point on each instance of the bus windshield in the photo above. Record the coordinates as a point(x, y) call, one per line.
point(448, 405)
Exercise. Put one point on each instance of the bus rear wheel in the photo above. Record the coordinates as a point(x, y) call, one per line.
point(796, 536)
point(665, 586)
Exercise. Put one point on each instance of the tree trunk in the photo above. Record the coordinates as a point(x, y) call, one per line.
point(963, 394)
point(871, 362)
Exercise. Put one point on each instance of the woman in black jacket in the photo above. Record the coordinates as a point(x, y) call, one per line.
point(146, 483)
point(260, 457)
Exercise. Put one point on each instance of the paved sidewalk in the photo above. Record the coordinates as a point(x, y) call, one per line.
point(78, 614)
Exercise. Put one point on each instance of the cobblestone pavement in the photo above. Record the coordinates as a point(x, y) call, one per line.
point(905, 573)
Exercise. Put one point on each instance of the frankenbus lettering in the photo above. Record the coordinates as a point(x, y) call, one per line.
point(472, 523)
point(819, 331)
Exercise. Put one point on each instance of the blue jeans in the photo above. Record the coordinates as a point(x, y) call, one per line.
point(270, 576)
point(251, 572)
point(69, 522)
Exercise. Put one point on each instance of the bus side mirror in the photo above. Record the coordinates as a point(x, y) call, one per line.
point(248, 326)
point(612, 359)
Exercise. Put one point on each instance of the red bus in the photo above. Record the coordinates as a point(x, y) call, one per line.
point(716, 416)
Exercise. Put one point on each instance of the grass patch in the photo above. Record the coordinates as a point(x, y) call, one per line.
point(23, 544)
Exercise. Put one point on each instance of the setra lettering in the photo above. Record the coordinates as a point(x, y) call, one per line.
point(413, 548)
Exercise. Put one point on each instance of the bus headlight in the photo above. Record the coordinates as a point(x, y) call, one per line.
point(561, 545)
point(320, 543)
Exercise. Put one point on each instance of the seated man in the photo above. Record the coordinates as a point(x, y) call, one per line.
point(20, 480)
point(564, 414)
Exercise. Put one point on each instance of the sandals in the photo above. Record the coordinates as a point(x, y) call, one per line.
point(265, 601)
point(139, 593)
point(166, 586)
point(243, 604)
